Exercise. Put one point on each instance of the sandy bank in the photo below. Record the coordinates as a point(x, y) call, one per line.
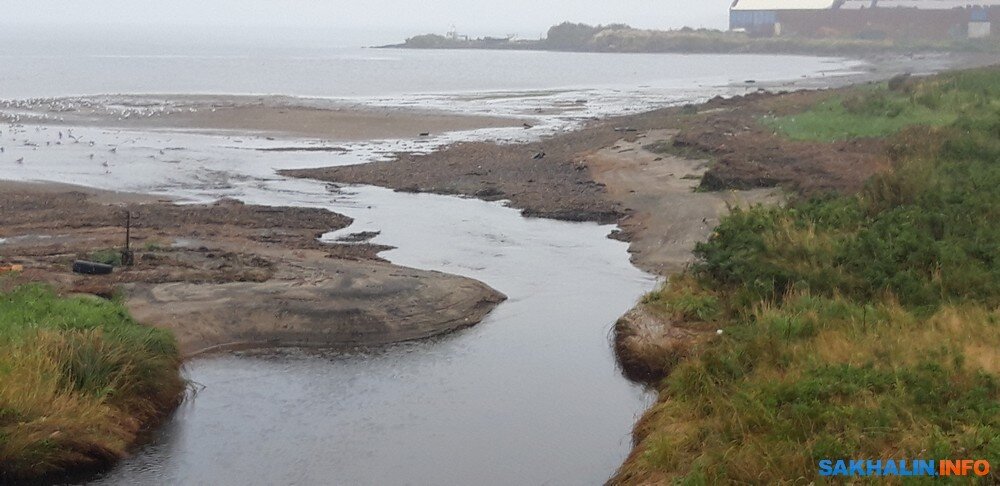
point(667, 217)
point(278, 116)
point(231, 273)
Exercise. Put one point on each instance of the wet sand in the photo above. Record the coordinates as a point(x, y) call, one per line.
point(277, 116)
point(230, 274)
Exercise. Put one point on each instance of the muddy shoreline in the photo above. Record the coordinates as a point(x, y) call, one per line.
point(232, 274)
point(664, 176)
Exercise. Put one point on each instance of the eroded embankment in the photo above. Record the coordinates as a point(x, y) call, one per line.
point(839, 316)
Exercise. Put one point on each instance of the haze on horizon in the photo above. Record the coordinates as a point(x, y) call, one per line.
point(359, 22)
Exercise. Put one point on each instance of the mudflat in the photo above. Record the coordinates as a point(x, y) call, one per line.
point(279, 116)
point(230, 274)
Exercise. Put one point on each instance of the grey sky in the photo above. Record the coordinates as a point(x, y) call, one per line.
point(369, 19)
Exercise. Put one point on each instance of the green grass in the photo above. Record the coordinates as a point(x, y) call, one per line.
point(878, 111)
point(108, 256)
point(79, 379)
point(858, 326)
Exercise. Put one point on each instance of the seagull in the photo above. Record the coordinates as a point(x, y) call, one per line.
point(20, 161)
point(539, 155)
point(114, 149)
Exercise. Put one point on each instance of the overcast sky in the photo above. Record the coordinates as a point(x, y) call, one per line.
point(368, 20)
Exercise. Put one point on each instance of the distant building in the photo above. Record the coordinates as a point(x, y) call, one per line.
point(867, 19)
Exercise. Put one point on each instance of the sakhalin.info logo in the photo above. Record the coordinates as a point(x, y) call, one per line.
point(904, 468)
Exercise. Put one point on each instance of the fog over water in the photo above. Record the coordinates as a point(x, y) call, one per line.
point(353, 23)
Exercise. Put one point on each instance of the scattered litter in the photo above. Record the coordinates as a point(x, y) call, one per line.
point(11, 268)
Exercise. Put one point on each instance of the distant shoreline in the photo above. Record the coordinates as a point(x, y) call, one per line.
point(568, 37)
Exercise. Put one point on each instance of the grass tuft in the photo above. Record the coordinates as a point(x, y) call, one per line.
point(79, 379)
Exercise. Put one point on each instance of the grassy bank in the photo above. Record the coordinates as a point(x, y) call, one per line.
point(856, 326)
point(79, 379)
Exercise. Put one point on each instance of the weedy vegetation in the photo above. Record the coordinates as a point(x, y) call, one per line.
point(857, 326)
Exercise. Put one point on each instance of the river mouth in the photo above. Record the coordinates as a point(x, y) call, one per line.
point(531, 395)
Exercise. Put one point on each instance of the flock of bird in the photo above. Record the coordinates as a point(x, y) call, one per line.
point(16, 111)
point(46, 111)
point(18, 134)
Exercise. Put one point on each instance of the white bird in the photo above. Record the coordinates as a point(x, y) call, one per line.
point(719, 332)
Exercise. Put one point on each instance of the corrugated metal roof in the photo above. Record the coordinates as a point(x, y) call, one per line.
point(783, 4)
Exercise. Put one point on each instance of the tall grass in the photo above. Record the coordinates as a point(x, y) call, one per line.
point(858, 326)
point(79, 379)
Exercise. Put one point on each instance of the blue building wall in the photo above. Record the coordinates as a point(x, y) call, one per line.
point(753, 20)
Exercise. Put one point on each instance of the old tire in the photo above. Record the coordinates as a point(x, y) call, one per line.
point(91, 268)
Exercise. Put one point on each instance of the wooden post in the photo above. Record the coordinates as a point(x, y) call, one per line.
point(128, 258)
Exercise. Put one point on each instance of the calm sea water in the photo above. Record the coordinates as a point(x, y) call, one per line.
point(35, 65)
point(530, 396)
